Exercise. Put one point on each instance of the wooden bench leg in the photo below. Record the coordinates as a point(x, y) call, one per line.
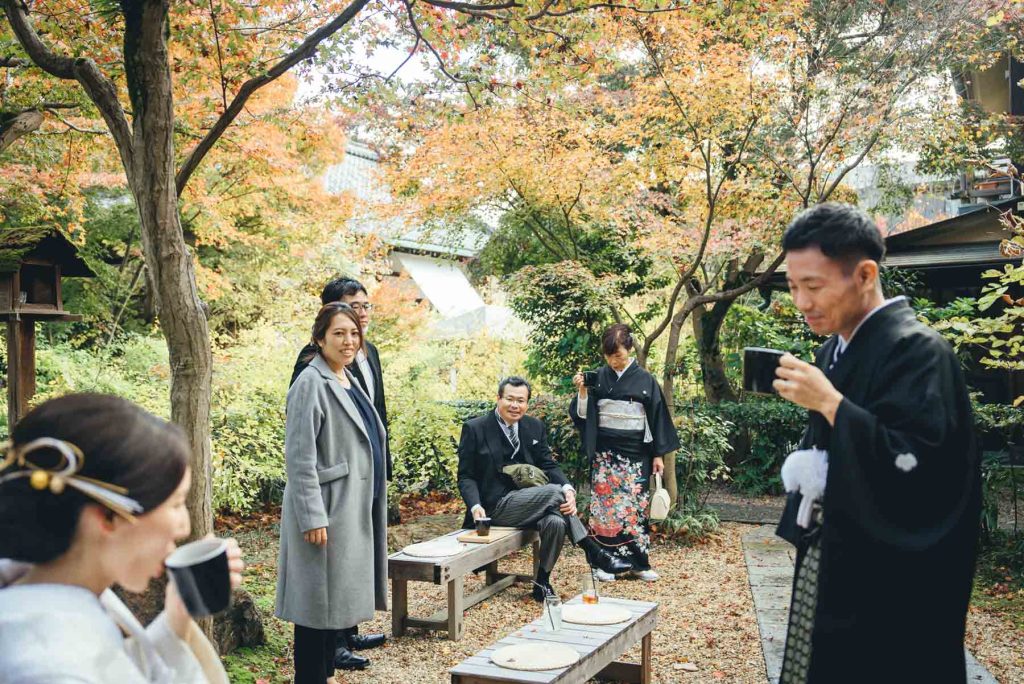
point(645, 659)
point(456, 608)
point(491, 574)
point(399, 606)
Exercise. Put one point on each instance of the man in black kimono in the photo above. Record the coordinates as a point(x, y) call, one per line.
point(368, 373)
point(886, 554)
point(505, 437)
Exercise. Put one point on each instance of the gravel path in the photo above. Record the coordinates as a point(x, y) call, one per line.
point(706, 617)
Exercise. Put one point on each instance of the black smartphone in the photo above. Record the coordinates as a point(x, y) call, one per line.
point(759, 364)
point(590, 378)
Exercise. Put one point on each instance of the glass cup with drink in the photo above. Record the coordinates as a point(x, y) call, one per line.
point(552, 613)
point(589, 588)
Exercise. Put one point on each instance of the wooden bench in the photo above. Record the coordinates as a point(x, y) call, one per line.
point(599, 647)
point(451, 571)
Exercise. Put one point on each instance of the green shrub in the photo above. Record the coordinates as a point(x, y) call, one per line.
point(464, 409)
point(563, 438)
point(248, 449)
point(700, 461)
point(764, 431)
point(424, 437)
point(1003, 427)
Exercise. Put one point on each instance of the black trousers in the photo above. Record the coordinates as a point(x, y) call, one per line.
point(314, 654)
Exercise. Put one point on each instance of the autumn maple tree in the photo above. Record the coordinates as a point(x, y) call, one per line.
point(141, 65)
point(692, 135)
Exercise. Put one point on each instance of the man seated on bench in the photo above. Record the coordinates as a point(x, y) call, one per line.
point(507, 437)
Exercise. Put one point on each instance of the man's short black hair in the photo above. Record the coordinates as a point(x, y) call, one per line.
point(842, 232)
point(515, 381)
point(341, 287)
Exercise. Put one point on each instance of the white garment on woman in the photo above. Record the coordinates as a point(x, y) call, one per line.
point(64, 634)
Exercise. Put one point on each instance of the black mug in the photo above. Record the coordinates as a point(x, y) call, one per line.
point(200, 572)
point(759, 364)
point(483, 526)
point(590, 378)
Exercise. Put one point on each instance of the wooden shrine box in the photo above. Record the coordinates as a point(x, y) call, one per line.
point(33, 261)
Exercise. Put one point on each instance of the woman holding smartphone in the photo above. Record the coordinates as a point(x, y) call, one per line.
point(626, 431)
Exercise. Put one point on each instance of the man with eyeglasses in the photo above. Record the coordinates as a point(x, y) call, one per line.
point(506, 437)
point(367, 372)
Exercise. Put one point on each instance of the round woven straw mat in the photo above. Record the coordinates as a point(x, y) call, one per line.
point(435, 548)
point(594, 614)
point(535, 657)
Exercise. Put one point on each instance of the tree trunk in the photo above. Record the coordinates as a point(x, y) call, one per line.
point(707, 325)
point(152, 181)
point(667, 388)
point(148, 299)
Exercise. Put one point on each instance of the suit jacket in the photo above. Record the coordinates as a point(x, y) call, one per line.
point(483, 449)
point(379, 403)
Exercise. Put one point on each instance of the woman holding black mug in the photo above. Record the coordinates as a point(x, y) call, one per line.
point(92, 494)
point(626, 430)
point(332, 572)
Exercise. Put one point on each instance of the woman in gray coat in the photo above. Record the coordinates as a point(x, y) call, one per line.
point(335, 501)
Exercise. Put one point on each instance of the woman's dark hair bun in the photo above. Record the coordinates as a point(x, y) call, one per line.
point(615, 336)
point(122, 445)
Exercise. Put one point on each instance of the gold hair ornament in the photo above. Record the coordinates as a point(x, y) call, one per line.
point(65, 474)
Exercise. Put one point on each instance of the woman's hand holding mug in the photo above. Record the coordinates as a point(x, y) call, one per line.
point(178, 617)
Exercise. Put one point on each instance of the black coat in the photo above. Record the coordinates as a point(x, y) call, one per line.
point(900, 511)
point(379, 402)
point(483, 449)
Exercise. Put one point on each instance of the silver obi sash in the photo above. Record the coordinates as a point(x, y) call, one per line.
point(616, 414)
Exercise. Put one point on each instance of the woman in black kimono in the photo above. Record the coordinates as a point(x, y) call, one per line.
point(626, 430)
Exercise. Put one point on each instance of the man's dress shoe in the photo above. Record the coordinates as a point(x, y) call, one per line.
point(361, 642)
point(345, 659)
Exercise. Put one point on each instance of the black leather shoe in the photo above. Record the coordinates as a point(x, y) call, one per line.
point(361, 642)
point(345, 659)
point(599, 558)
point(542, 590)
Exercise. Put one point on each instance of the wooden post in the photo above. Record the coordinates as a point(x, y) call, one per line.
point(456, 608)
point(399, 606)
point(645, 659)
point(21, 367)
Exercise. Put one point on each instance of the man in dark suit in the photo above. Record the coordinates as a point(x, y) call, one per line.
point(507, 436)
point(367, 372)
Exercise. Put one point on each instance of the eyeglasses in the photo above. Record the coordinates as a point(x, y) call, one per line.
point(516, 402)
point(360, 306)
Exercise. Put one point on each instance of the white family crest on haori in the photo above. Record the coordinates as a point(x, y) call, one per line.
point(535, 441)
point(806, 471)
point(906, 462)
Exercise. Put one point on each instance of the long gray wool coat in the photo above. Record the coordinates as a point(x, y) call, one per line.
point(330, 484)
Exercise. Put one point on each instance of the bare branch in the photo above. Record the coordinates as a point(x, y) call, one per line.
point(53, 64)
point(220, 57)
point(12, 63)
point(101, 90)
point(470, 8)
point(405, 61)
point(91, 131)
point(306, 50)
point(419, 38)
point(699, 300)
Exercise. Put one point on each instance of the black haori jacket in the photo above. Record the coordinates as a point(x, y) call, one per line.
point(901, 508)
